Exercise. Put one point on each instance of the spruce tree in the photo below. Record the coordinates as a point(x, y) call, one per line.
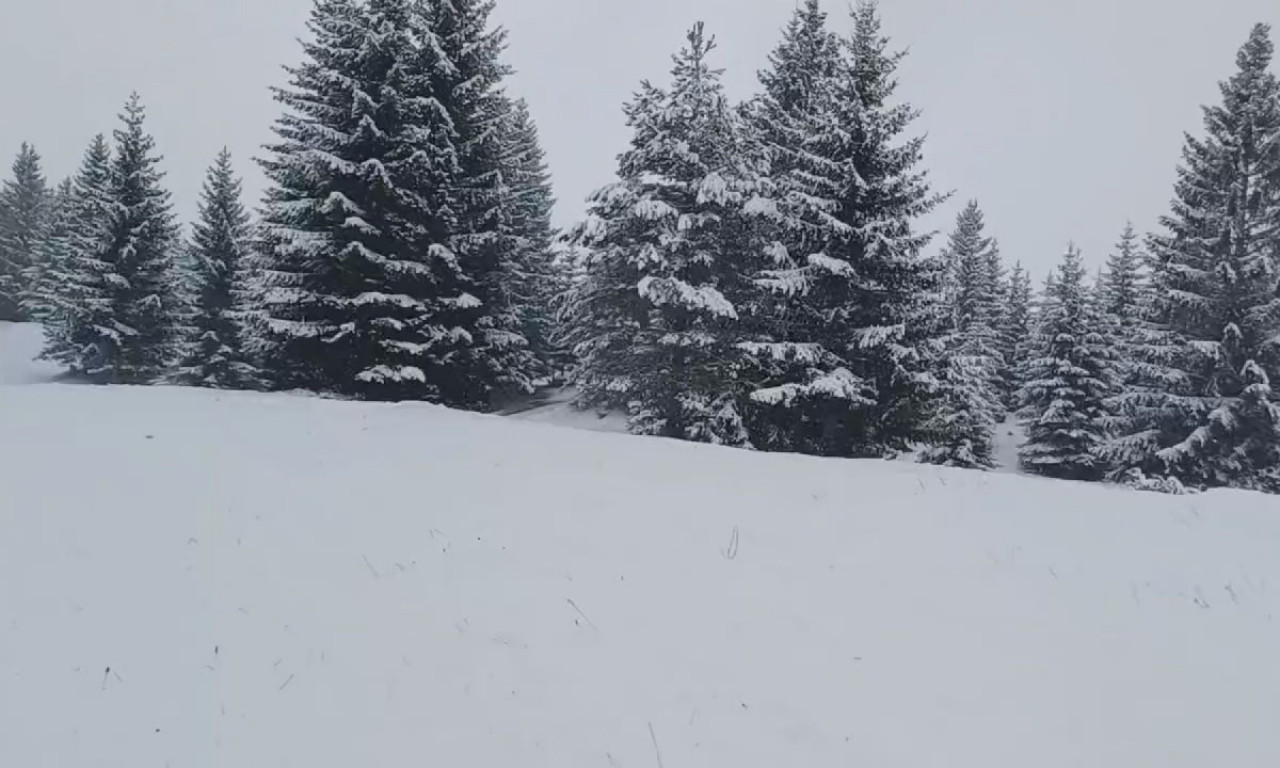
point(45, 278)
point(531, 279)
point(1068, 382)
point(1123, 283)
point(74, 292)
point(967, 405)
point(654, 320)
point(1015, 329)
point(219, 258)
point(24, 219)
point(139, 335)
point(499, 161)
point(1201, 409)
point(845, 372)
point(361, 292)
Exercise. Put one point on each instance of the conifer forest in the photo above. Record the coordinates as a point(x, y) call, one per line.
point(755, 275)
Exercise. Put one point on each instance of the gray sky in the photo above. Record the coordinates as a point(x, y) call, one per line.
point(1063, 118)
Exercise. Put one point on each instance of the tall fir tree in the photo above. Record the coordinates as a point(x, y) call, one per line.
point(967, 405)
point(654, 320)
point(140, 334)
point(845, 372)
point(72, 294)
point(500, 359)
point(1202, 409)
point(1069, 381)
point(360, 292)
point(531, 279)
point(120, 313)
point(24, 219)
point(220, 254)
point(1124, 281)
point(44, 279)
point(1015, 330)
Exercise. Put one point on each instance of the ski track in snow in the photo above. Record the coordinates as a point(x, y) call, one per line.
point(206, 578)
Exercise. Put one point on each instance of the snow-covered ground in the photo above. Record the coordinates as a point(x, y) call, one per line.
point(19, 344)
point(193, 578)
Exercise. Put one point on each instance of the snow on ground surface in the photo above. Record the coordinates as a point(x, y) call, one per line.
point(1009, 437)
point(19, 344)
point(194, 578)
point(560, 411)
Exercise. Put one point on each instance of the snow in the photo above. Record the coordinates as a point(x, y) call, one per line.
point(20, 343)
point(201, 578)
point(1008, 438)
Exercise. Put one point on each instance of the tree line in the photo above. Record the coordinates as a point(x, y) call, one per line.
point(756, 276)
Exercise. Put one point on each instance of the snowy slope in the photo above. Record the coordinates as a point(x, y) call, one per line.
point(284, 581)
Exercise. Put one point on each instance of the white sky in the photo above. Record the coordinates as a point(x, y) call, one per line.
point(1063, 118)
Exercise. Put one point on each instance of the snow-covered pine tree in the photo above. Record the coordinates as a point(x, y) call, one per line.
point(139, 330)
point(844, 373)
point(1202, 409)
point(967, 405)
point(1015, 330)
point(1122, 292)
point(44, 279)
point(360, 292)
point(1068, 382)
point(220, 252)
point(24, 219)
point(1124, 281)
point(669, 250)
point(494, 139)
point(74, 293)
point(532, 278)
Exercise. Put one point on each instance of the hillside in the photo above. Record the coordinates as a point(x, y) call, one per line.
point(196, 578)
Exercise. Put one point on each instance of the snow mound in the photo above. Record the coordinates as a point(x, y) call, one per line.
point(19, 345)
point(198, 578)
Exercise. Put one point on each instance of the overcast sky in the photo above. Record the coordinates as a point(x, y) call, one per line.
point(1063, 118)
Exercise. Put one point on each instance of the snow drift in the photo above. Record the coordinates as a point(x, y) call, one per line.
point(195, 578)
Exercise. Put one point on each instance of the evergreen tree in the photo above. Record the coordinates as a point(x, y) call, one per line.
point(361, 292)
point(220, 254)
point(24, 218)
point(119, 309)
point(73, 294)
point(500, 359)
point(532, 280)
point(1123, 283)
point(1068, 383)
point(967, 406)
point(1202, 409)
point(45, 278)
point(1015, 329)
point(139, 332)
point(669, 249)
point(844, 372)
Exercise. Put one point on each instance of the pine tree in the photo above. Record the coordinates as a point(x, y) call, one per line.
point(845, 373)
point(74, 293)
point(1068, 383)
point(45, 278)
point(531, 279)
point(1123, 283)
point(1015, 329)
point(24, 219)
point(361, 293)
point(140, 335)
point(1202, 409)
point(654, 320)
point(967, 404)
point(496, 238)
point(220, 255)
